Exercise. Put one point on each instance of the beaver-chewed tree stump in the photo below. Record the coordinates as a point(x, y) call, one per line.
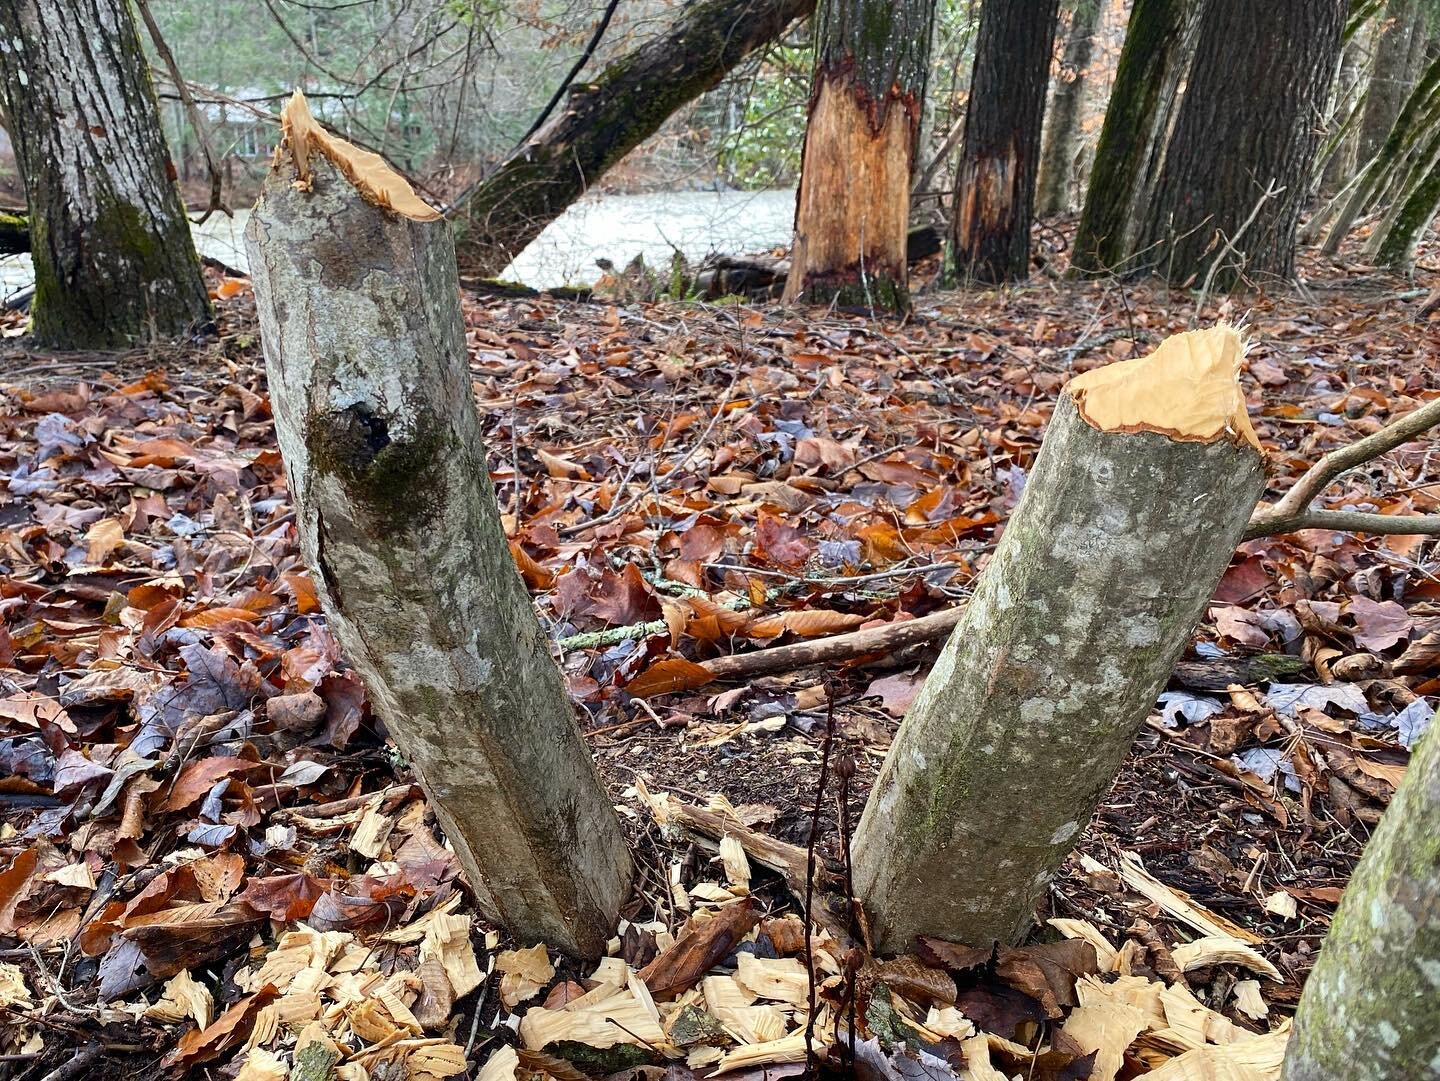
point(1142, 489)
point(358, 298)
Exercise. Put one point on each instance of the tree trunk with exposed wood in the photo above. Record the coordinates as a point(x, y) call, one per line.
point(1371, 1011)
point(370, 381)
point(1062, 121)
point(114, 261)
point(866, 98)
point(1237, 169)
point(995, 184)
point(1142, 488)
point(1152, 63)
point(604, 118)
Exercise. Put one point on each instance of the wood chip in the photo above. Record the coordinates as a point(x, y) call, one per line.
point(1256, 1059)
point(779, 979)
point(1283, 905)
point(500, 1066)
point(737, 864)
point(1223, 950)
point(1176, 902)
point(524, 974)
point(184, 997)
point(1249, 1002)
point(788, 1049)
point(1107, 1028)
point(1105, 952)
point(372, 832)
point(447, 940)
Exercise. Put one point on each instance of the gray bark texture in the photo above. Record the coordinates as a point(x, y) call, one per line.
point(1371, 1007)
point(1391, 74)
point(1076, 624)
point(1062, 121)
point(114, 262)
point(369, 378)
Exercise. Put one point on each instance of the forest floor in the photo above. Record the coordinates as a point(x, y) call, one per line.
point(188, 769)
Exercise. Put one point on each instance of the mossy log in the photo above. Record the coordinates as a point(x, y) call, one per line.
point(114, 260)
point(365, 351)
point(14, 233)
point(866, 99)
point(1143, 486)
point(603, 120)
point(1371, 1007)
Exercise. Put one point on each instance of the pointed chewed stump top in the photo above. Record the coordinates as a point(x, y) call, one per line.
point(1188, 389)
point(372, 176)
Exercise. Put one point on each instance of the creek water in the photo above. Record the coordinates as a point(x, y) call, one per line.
point(614, 227)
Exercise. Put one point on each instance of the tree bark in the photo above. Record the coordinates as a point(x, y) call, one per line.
point(853, 206)
point(1261, 76)
point(1132, 141)
point(1370, 1011)
point(114, 261)
point(995, 184)
point(1128, 520)
point(1062, 124)
point(1390, 73)
point(365, 350)
point(604, 120)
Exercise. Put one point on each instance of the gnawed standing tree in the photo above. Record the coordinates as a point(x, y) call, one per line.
point(866, 99)
point(1371, 1007)
point(1238, 166)
point(114, 262)
point(995, 183)
point(604, 119)
point(359, 307)
point(1142, 488)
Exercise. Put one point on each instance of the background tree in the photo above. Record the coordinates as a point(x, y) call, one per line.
point(1127, 158)
point(1399, 44)
point(1238, 165)
point(995, 185)
point(1370, 1010)
point(866, 100)
point(604, 119)
point(114, 262)
point(1062, 119)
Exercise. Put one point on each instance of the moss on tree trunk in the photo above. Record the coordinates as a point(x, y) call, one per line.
point(1371, 1007)
point(1151, 64)
point(114, 261)
point(365, 351)
point(1414, 211)
point(604, 119)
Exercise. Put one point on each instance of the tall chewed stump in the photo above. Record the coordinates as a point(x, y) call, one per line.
point(358, 298)
point(853, 205)
point(1371, 1008)
point(1147, 476)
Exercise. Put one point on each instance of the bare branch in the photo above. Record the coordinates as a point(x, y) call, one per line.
point(1293, 511)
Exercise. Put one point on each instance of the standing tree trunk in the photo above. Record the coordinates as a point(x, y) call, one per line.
point(1143, 487)
point(1370, 1011)
point(1132, 141)
point(1062, 125)
point(1390, 74)
point(1246, 127)
point(995, 184)
point(369, 375)
point(114, 261)
point(853, 206)
point(1394, 241)
point(605, 119)
point(1339, 155)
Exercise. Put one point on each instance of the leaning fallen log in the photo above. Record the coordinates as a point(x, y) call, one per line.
point(14, 232)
